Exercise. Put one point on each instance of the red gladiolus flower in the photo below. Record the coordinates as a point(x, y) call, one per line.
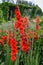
point(12, 53)
point(25, 21)
point(18, 17)
point(16, 25)
point(17, 13)
point(20, 25)
point(35, 36)
point(21, 32)
point(4, 38)
point(11, 41)
point(13, 46)
point(13, 58)
point(10, 33)
point(37, 19)
point(14, 50)
point(37, 27)
point(28, 36)
point(30, 32)
point(21, 28)
point(25, 47)
point(1, 42)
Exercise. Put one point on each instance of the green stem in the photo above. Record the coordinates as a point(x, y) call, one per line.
point(7, 58)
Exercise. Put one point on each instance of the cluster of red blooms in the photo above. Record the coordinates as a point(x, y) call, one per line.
point(25, 45)
point(2, 39)
point(25, 22)
point(20, 24)
point(37, 21)
point(13, 45)
point(32, 34)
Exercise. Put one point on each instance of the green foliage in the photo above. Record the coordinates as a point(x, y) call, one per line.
point(1, 16)
point(8, 10)
point(41, 23)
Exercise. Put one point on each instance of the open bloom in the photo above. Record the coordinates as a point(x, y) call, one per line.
point(35, 36)
point(1, 42)
point(4, 38)
point(25, 46)
point(25, 21)
point(37, 27)
point(13, 45)
point(37, 19)
point(13, 58)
